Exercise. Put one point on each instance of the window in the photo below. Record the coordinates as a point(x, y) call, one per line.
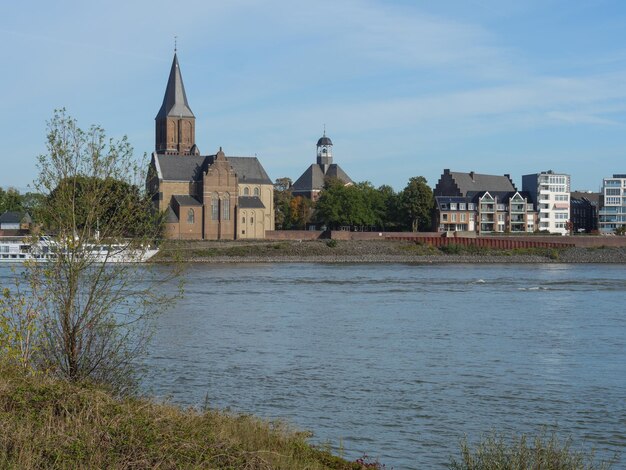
point(246, 191)
point(461, 206)
point(612, 191)
point(226, 207)
point(191, 217)
point(471, 206)
point(215, 207)
point(561, 197)
point(453, 217)
point(500, 217)
point(256, 191)
point(444, 217)
point(463, 217)
point(453, 206)
point(251, 220)
point(243, 219)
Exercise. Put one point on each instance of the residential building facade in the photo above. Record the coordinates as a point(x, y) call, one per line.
point(612, 214)
point(550, 192)
point(584, 206)
point(211, 197)
point(473, 202)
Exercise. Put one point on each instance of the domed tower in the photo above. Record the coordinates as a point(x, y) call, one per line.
point(324, 152)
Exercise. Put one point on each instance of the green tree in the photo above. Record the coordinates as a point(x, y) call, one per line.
point(10, 200)
point(417, 203)
point(93, 313)
point(282, 203)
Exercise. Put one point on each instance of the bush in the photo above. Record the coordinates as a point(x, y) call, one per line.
point(331, 243)
point(542, 452)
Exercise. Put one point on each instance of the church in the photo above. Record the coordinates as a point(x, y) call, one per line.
point(204, 197)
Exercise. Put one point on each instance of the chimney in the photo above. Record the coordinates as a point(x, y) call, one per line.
point(472, 176)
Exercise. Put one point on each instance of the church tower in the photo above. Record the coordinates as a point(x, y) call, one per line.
point(175, 123)
point(324, 152)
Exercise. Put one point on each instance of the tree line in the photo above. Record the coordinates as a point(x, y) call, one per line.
point(359, 205)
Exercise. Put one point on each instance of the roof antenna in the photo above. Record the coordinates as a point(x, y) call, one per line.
point(175, 44)
point(324, 129)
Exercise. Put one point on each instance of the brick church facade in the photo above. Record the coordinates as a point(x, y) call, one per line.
point(210, 197)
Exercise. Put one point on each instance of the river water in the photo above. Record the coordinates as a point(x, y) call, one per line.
point(401, 361)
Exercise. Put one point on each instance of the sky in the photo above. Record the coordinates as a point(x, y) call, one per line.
point(404, 88)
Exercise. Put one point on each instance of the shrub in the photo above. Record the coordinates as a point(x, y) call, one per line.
point(520, 453)
point(331, 243)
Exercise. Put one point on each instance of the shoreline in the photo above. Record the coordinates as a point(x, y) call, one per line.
point(373, 252)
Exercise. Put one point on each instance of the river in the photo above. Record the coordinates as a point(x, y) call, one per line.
point(401, 361)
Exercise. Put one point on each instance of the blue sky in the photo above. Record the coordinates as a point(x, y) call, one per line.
point(405, 88)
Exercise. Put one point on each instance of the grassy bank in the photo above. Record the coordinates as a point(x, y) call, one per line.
point(375, 251)
point(52, 424)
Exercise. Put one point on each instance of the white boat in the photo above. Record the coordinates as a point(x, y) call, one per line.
point(21, 249)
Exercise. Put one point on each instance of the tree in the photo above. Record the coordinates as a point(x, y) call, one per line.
point(93, 313)
point(417, 203)
point(282, 203)
point(10, 200)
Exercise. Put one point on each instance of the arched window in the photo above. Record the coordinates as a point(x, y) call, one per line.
point(191, 217)
point(246, 191)
point(256, 191)
point(226, 207)
point(215, 206)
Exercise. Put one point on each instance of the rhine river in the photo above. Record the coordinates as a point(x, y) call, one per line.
point(401, 361)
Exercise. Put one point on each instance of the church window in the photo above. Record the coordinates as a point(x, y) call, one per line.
point(256, 191)
point(191, 217)
point(226, 207)
point(215, 206)
point(246, 191)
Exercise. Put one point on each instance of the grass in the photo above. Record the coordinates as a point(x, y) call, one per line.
point(47, 423)
point(543, 452)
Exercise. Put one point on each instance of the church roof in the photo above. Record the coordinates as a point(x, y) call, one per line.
point(250, 202)
point(324, 141)
point(170, 216)
point(175, 99)
point(15, 218)
point(186, 200)
point(249, 170)
point(192, 167)
point(313, 177)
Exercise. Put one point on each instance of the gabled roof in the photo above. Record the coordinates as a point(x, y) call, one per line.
point(474, 182)
point(249, 170)
point(185, 200)
point(192, 167)
point(311, 179)
point(15, 218)
point(170, 216)
point(182, 167)
point(335, 171)
point(175, 99)
point(250, 202)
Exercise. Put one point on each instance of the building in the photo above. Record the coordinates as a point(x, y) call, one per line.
point(550, 192)
point(14, 221)
point(612, 214)
point(473, 202)
point(311, 182)
point(211, 197)
point(584, 207)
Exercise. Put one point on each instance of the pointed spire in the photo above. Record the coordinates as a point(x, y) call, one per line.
point(175, 100)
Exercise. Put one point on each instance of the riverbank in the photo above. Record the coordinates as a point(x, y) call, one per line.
point(49, 423)
point(373, 251)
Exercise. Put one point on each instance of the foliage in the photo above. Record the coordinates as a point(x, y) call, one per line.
point(332, 243)
point(521, 453)
point(349, 205)
point(55, 424)
point(91, 314)
point(417, 203)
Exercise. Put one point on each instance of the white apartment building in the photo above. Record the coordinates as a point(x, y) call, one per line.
point(550, 192)
point(612, 215)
